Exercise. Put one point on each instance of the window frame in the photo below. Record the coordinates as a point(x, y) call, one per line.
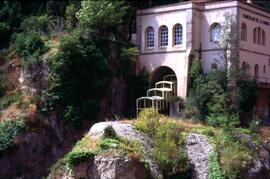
point(149, 37)
point(214, 31)
point(163, 36)
point(177, 35)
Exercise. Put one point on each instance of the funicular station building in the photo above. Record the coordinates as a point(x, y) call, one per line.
point(168, 35)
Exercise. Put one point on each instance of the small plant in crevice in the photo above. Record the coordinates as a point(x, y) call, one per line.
point(110, 133)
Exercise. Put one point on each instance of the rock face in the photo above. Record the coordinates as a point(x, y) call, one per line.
point(124, 130)
point(111, 166)
point(198, 150)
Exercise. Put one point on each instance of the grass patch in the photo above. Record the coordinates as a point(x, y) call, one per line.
point(233, 154)
point(215, 171)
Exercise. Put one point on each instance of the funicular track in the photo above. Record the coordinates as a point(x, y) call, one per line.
point(159, 96)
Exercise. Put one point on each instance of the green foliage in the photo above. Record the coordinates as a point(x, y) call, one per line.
point(36, 24)
point(8, 100)
point(195, 71)
point(201, 95)
point(215, 171)
point(29, 45)
point(75, 158)
point(108, 143)
point(227, 121)
point(234, 156)
point(208, 131)
point(110, 133)
point(246, 95)
point(167, 150)
point(102, 14)
point(10, 12)
point(71, 16)
point(77, 83)
point(8, 130)
point(148, 121)
point(128, 57)
point(254, 125)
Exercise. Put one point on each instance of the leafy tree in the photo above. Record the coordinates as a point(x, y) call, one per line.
point(102, 15)
point(77, 79)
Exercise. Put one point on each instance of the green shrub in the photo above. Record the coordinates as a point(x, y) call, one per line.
point(8, 130)
point(148, 121)
point(227, 121)
point(36, 24)
point(254, 124)
point(110, 133)
point(168, 150)
point(8, 100)
point(215, 171)
point(76, 157)
point(29, 44)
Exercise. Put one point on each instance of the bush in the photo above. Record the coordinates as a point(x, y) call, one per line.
point(254, 124)
point(29, 45)
point(167, 150)
point(110, 133)
point(8, 130)
point(227, 121)
point(148, 121)
point(36, 24)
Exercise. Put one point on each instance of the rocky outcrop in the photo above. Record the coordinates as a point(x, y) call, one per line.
point(109, 164)
point(126, 130)
point(259, 166)
point(198, 150)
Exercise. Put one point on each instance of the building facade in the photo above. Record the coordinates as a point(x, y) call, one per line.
point(168, 35)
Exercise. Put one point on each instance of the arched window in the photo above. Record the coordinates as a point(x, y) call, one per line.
point(150, 37)
point(255, 35)
point(215, 32)
point(178, 34)
point(243, 32)
point(263, 37)
point(163, 36)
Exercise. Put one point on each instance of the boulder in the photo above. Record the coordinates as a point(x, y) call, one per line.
point(125, 130)
point(198, 150)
